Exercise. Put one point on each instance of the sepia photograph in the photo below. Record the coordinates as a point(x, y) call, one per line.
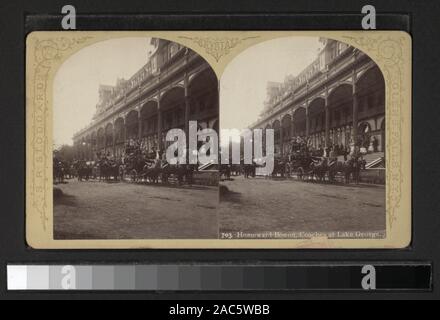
point(324, 102)
point(114, 102)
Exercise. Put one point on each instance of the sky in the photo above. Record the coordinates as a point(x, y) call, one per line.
point(244, 82)
point(77, 81)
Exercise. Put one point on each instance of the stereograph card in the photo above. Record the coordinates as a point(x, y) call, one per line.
point(218, 139)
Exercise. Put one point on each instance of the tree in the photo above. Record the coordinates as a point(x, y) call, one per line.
point(65, 153)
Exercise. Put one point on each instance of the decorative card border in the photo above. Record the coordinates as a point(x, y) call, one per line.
point(46, 52)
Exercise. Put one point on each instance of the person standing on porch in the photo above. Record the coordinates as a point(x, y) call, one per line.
point(375, 144)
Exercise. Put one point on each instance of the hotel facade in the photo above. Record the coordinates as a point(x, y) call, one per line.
point(175, 86)
point(339, 99)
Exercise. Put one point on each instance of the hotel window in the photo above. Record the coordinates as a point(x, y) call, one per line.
point(321, 61)
point(332, 51)
point(148, 69)
point(174, 48)
point(341, 47)
point(164, 56)
point(154, 64)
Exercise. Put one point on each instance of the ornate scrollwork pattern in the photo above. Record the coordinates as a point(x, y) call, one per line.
point(390, 54)
point(217, 47)
point(46, 52)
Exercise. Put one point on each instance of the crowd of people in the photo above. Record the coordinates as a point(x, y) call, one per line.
point(334, 151)
point(136, 161)
point(302, 159)
point(136, 155)
point(332, 159)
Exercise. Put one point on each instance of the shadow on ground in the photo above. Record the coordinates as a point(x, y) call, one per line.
point(60, 198)
point(228, 195)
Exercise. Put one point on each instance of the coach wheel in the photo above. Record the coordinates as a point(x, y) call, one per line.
point(300, 173)
point(133, 175)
